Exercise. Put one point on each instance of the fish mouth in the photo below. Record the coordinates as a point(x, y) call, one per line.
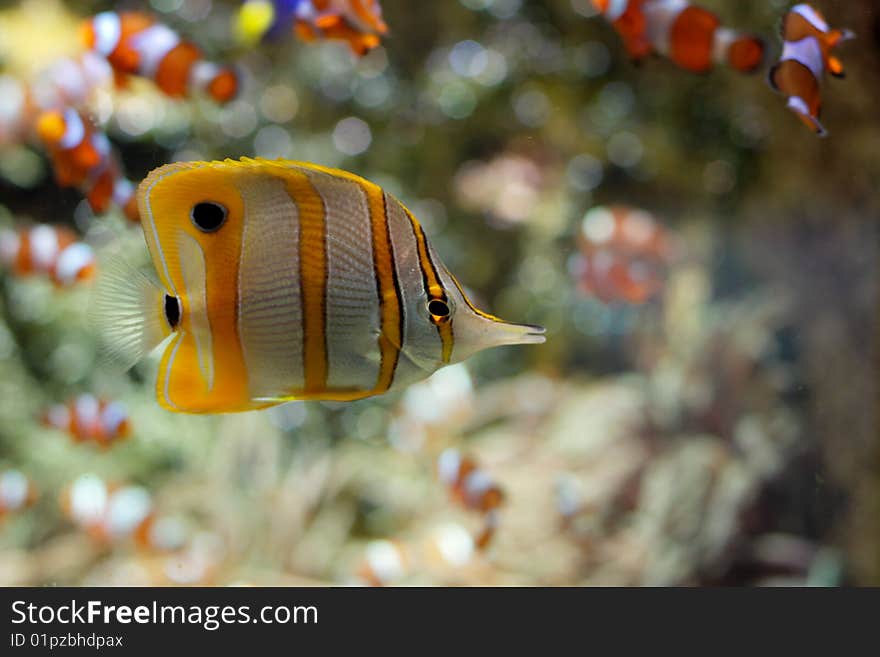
point(525, 334)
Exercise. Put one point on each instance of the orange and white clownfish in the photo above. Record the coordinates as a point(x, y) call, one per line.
point(53, 251)
point(134, 43)
point(68, 82)
point(82, 157)
point(89, 419)
point(109, 512)
point(358, 22)
point(692, 37)
point(17, 492)
point(282, 280)
point(806, 55)
point(384, 563)
point(473, 488)
point(623, 255)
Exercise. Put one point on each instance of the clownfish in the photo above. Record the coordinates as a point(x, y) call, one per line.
point(624, 254)
point(68, 82)
point(806, 55)
point(358, 22)
point(53, 251)
point(384, 563)
point(134, 43)
point(82, 157)
point(17, 492)
point(281, 280)
point(110, 512)
point(692, 37)
point(89, 419)
point(473, 488)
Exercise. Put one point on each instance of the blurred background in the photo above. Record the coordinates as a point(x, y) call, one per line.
point(702, 413)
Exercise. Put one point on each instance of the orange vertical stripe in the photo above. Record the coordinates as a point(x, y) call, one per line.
point(313, 278)
point(432, 284)
point(391, 337)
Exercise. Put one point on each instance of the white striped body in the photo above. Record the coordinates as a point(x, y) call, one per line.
point(316, 285)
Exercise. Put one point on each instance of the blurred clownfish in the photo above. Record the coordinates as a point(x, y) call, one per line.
point(17, 492)
point(89, 419)
point(110, 512)
point(82, 157)
point(358, 22)
point(624, 255)
point(283, 280)
point(473, 488)
point(49, 250)
point(806, 55)
point(385, 562)
point(134, 43)
point(692, 37)
point(68, 82)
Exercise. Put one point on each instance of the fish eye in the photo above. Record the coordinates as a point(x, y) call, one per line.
point(172, 311)
point(208, 216)
point(439, 310)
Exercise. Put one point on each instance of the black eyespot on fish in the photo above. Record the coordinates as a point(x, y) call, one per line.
point(439, 309)
point(208, 216)
point(172, 310)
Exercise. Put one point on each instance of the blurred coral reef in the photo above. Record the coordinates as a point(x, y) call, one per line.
point(716, 427)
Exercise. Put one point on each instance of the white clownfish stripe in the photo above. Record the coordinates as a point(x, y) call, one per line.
point(87, 410)
point(96, 70)
point(153, 44)
point(799, 105)
point(44, 247)
point(113, 416)
point(13, 489)
point(385, 560)
point(123, 189)
point(59, 416)
point(10, 243)
point(724, 38)
point(448, 465)
point(476, 484)
point(108, 30)
point(615, 9)
point(306, 11)
point(72, 261)
point(128, 508)
point(808, 52)
point(812, 16)
point(660, 16)
point(102, 145)
point(88, 499)
point(202, 74)
point(74, 130)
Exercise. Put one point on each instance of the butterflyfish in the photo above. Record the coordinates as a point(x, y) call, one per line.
point(281, 280)
point(806, 55)
point(135, 43)
point(691, 36)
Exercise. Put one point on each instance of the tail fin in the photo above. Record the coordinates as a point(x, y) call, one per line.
point(127, 312)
